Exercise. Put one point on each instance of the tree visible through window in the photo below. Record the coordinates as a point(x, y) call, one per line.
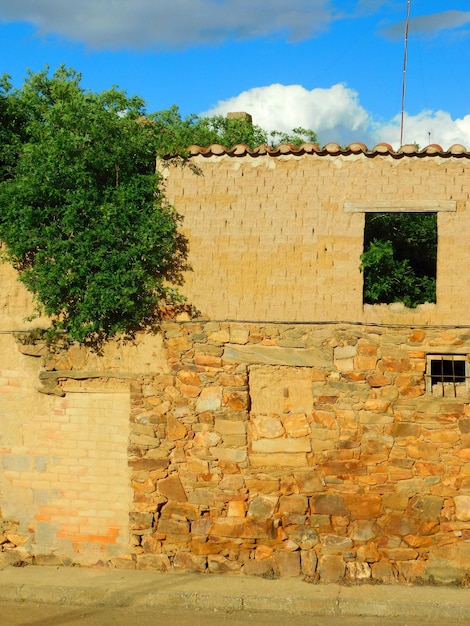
point(399, 259)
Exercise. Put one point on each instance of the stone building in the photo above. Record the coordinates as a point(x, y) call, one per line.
point(288, 429)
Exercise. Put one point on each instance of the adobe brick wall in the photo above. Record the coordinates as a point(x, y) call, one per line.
point(271, 238)
point(64, 478)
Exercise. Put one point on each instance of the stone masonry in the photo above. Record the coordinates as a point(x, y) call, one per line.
point(287, 430)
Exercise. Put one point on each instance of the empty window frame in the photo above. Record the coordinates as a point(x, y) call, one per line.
point(399, 258)
point(447, 375)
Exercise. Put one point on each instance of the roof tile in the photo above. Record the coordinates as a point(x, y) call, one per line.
point(332, 148)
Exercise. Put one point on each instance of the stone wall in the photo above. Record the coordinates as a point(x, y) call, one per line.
point(288, 450)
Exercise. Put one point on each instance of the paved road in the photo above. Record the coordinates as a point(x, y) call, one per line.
point(34, 614)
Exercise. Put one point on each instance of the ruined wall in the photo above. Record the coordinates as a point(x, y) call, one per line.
point(312, 448)
point(293, 450)
point(279, 238)
point(64, 477)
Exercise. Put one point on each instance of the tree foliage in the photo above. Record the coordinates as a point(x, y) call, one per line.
point(82, 214)
point(399, 259)
point(177, 133)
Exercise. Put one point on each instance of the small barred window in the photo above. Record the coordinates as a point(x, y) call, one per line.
point(447, 375)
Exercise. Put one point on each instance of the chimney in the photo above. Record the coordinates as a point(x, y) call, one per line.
point(240, 116)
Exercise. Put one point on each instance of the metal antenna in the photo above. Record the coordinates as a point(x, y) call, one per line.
point(405, 59)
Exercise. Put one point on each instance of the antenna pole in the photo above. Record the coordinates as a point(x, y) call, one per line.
point(405, 60)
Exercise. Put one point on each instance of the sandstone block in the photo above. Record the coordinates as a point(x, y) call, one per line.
point(363, 530)
point(278, 460)
point(328, 504)
point(123, 562)
point(308, 561)
point(379, 380)
point(155, 562)
point(230, 427)
point(172, 488)
point(308, 482)
point(175, 429)
point(331, 568)
point(462, 508)
point(368, 553)
point(370, 417)
point(401, 525)
point(344, 352)
point(232, 482)
point(293, 504)
point(404, 429)
point(186, 562)
point(333, 544)
point(200, 546)
point(218, 564)
point(229, 455)
point(220, 336)
point(241, 527)
point(148, 464)
point(427, 508)
point(284, 445)
point(274, 355)
point(172, 526)
point(399, 554)
point(206, 439)
point(423, 451)
point(362, 506)
point(358, 570)
point(210, 399)
point(267, 427)
point(234, 441)
point(287, 564)
point(263, 506)
point(263, 552)
point(200, 527)
point(303, 536)
point(383, 571)
point(236, 508)
point(189, 391)
point(207, 360)
point(239, 335)
point(180, 509)
point(259, 568)
point(262, 484)
point(296, 425)
point(190, 377)
point(140, 521)
point(236, 400)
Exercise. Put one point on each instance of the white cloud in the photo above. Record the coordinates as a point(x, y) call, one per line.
point(336, 114)
point(425, 128)
point(141, 24)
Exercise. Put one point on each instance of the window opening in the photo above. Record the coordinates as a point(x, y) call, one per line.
point(447, 375)
point(399, 258)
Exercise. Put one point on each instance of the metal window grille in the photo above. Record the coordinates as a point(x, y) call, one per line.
point(447, 375)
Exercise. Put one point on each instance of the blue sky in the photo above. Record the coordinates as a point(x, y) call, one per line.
point(332, 65)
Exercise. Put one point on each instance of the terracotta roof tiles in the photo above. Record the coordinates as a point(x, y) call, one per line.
point(332, 149)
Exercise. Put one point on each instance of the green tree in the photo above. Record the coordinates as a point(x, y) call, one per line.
point(177, 133)
point(81, 214)
point(399, 259)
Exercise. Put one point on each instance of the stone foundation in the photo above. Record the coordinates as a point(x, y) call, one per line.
point(301, 450)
